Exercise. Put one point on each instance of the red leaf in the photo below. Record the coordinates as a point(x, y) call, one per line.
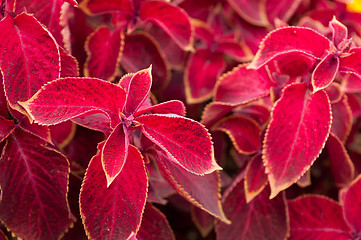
point(334, 92)
point(62, 133)
point(290, 40)
point(92, 7)
point(341, 165)
point(154, 225)
point(350, 200)
point(2, 236)
point(339, 32)
point(299, 127)
point(119, 208)
point(3, 102)
point(72, 2)
point(201, 74)
point(104, 48)
point(214, 111)
point(258, 219)
point(173, 106)
point(255, 178)
point(138, 90)
point(252, 11)
point(38, 209)
point(6, 127)
point(242, 85)
point(281, 10)
point(203, 221)
point(325, 72)
point(202, 191)
point(316, 217)
point(236, 50)
point(68, 98)
point(185, 141)
point(69, 65)
point(25, 45)
point(350, 63)
point(243, 132)
point(341, 119)
point(115, 152)
point(172, 19)
point(151, 53)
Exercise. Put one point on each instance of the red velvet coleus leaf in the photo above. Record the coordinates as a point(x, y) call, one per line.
point(38, 209)
point(114, 212)
point(290, 40)
point(202, 191)
point(62, 133)
point(69, 65)
point(203, 221)
point(255, 178)
point(24, 46)
point(202, 71)
point(317, 217)
point(172, 19)
point(350, 201)
point(350, 62)
point(341, 165)
point(243, 132)
point(325, 72)
point(46, 12)
point(252, 11)
point(68, 98)
point(242, 85)
point(154, 225)
point(299, 127)
point(6, 127)
point(341, 119)
point(185, 141)
point(152, 53)
point(114, 152)
point(104, 48)
point(259, 219)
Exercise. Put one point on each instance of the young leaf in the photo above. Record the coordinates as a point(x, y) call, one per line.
point(68, 98)
point(299, 127)
point(154, 225)
point(104, 48)
point(114, 212)
point(25, 45)
point(325, 72)
point(172, 19)
point(317, 217)
point(339, 32)
point(185, 141)
point(242, 85)
point(202, 191)
point(255, 178)
point(243, 132)
point(262, 217)
point(290, 40)
point(115, 152)
point(38, 209)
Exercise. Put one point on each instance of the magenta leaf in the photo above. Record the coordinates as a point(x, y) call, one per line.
point(339, 33)
point(203, 221)
point(185, 141)
point(316, 217)
point(325, 72)
point(201, 74)
point(202, 191)
point(350, 200)
point(114, 212)
point(341, 119)
point(238, 51)
point(259, 218)
point(350, 62)
point(172, 19)
point(152, 53)
point(62, 133)
point(138, 90)
point(255, 178)
point(92, 7)
point(341, 165)
point(214, 111)
point(25, 45)
point(173, 106)
point(252, 11)
point(6, 127)
point(242, 85)
point(293, 118)
point(104, 48)
point(38, 209)
point(290, 40)
point(69, 65)
point(115, 152)
point(68, 98)
point(243, 132)
point(154, 225)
